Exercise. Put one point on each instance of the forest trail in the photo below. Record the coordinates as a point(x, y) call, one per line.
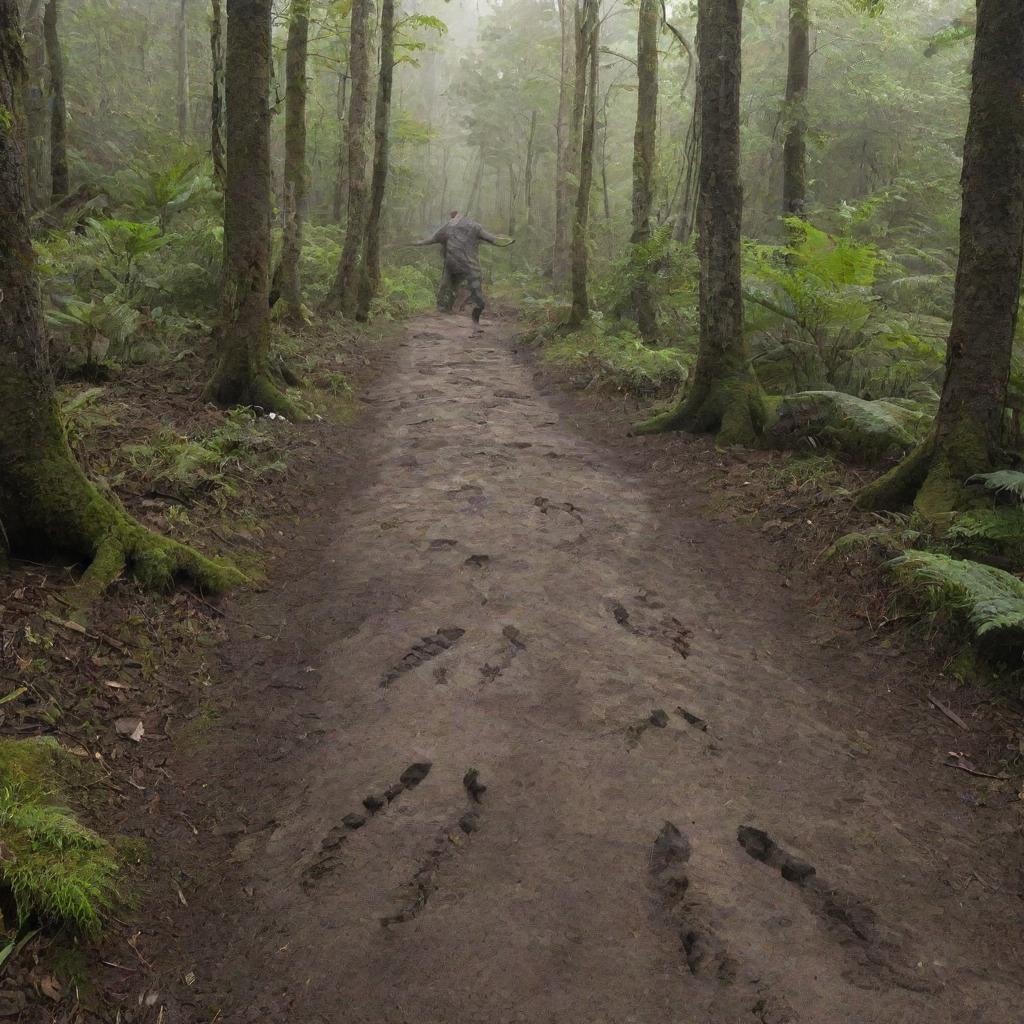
point(499, 593)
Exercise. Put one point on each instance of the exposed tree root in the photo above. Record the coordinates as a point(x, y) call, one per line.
point(732, 408)
point(932, 477)
point(260, 392)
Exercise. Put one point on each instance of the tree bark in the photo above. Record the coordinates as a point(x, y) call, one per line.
point(47, 505)
point(966, 437)
point(724, 397)
point(531, 152)
point(182, 68)
point(340, 177)
point(794, 153)
point(343, 296)
point(217, 100)
point(584, 114)
point(565, 152)
point(59, 179)
point(370, 277)
point(242, 375)
point(296, 175)
point(35, 102)
point(644, 141)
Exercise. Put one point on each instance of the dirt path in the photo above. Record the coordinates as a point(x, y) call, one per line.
point(499, 593)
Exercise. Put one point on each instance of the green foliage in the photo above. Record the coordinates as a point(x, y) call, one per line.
point(404, 290)
point(991, 600)
point(58, 871)
point(617, 360)
point(1005, 481)
point(242, 447)
point(990, 532)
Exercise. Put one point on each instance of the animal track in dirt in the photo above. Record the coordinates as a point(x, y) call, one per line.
point(477, 561)
point(737, 992)
point(443, 544)
point(423, 884)
point(506, 654)
point(546, 505)
point(328, 857)
point(669, 630)
point(657, 719)
point(879, 953)
point(423, 651)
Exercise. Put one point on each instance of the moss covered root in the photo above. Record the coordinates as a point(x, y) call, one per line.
point(261, 393)
point(733, 409)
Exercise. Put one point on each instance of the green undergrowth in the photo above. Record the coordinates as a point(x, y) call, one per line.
point(53, 870)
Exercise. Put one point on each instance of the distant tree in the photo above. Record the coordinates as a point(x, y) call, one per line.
point(60, 184)
point(566, 142)
point(181, 106)
point(588, 27)
point(296, 175)
point(724, 397)
point(967, 435)
point(242, 375)
point(794, 155)
point(343, 296)
point(644, 143)
point(47, 505)
point(369, 280)
point(217, 95)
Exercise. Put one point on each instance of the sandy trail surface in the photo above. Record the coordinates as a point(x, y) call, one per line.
point(497, 593)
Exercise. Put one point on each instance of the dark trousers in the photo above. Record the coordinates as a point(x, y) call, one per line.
point(451, 280)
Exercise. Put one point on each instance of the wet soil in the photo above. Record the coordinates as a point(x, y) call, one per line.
point(521, 732)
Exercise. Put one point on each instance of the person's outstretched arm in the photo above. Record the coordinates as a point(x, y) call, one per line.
point(486, 236)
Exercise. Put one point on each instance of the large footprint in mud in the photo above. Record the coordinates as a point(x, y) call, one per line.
point(878, 952)
point(736, 991)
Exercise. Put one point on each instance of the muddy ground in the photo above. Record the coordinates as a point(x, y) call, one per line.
point(524, 729)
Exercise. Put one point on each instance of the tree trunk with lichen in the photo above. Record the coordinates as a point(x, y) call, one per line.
point(343, 296)
point(181, 105)
point(242, 375)
point(369, 280)
point(296, 176)
point(47, 504)
point(217, 97)
point(794, 153)
point(966, 437)
point(644, 142)
point(564, 146)
point(60, 182)
point(35, 102)
point(584, 115)
point(724, 397)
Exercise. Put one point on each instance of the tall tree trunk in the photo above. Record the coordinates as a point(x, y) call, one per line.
point(370, 278)
point(585, 114)
point(565, 154)
point(296, 177)
point(644, 139)
point(794, 153)
point(47, 505)
point(340, 175)
point(35, 101)
point(531, 152)
point(60, 185)
point(183, 88)
point(343, 296)
point(967, 435)
point(242, 376)
point(217, 100)
point(724, 397)
point(474, 192)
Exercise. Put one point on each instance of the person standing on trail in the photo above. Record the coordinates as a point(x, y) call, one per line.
point(460, 239)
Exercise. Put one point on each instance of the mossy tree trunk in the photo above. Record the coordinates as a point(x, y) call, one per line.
point(724, 397)
point(343, 296)
point(585, 115)
point(967, 434)
point(60, 183)
point(340, 170)
point(35, 102)
point(565, 142)
point(644, 143)
point(242, 375)
point(794, 153)
point(47, 505)
point(370, 275)
point(296, 175)
point(217, 96)
point(181, 107)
